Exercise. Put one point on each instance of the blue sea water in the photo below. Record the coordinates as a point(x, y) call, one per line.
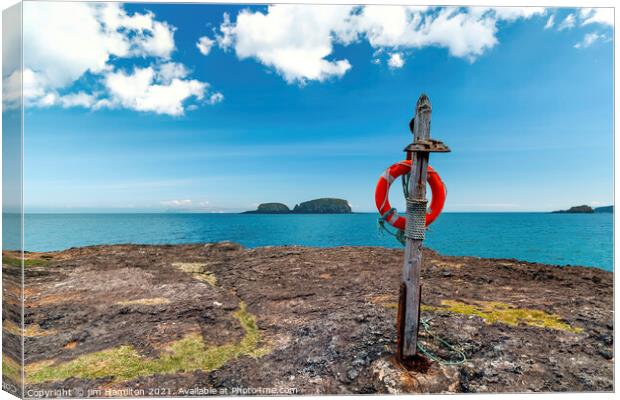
point(562, 239)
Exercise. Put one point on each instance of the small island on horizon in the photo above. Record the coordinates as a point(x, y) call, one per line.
point(316, 206)
point(585, 209)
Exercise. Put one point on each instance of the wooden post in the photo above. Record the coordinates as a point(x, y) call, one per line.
point(410, 289)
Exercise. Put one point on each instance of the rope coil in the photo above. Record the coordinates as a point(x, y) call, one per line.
point(416, 219)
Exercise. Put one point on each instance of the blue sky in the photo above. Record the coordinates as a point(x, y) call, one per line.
point(299, 103)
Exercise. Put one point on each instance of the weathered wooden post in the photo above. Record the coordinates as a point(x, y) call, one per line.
point(410, 289)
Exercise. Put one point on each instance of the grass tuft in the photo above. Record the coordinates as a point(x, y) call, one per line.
point(198, 270)
point(124, 363)
point(11, 369)
point(16, 262)
point(493, 311)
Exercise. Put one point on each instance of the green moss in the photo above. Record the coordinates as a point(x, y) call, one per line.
point(394, 306)
point(124, 363)
point(198, 271)
point(16, 262)
point(493, 312)
point(208, 277)
point(11, 369)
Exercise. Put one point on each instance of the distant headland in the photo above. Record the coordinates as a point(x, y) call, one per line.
point(584, 209)
point(316, 206)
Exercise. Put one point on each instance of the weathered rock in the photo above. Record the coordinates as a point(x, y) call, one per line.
point(324, 320)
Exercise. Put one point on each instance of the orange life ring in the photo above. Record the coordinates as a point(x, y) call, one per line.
point(382, 200)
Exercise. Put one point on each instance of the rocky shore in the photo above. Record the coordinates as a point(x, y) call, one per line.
point(200, 319)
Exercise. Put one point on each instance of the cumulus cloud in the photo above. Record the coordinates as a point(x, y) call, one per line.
point(67, 43)
point(465, 34)
point(171, 70)
point(204, 45)
point(603, 16)
point(514, 13)
point(396, 61)
point(145, 89)
point(298, 40)
point(62, 41)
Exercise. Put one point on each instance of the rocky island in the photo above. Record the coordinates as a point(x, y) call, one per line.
point(199, 319)
point(270, 208)
point(576, 210)
point(584, 209)
point(317, 206)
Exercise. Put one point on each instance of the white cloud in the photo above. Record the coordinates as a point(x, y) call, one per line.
point(63, 42)
point(298, 40)
point(227, 28)
point(176, 203)
point(589, 39)
point(204, 45)
point(464, 34)
point(187, 205)
point(215, 98)
point(567, 23)
point(514, 13)
point(142, 90)
point(396, 61)
point(171, 70)
point(80, 99)
point(603, 16)
point(294, 39)
point(550, 22)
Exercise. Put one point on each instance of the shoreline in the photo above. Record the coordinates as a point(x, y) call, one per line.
point(14, 253)
point(323, 315)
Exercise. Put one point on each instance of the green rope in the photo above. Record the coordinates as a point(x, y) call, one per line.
point(447, 345)
point(398, 234)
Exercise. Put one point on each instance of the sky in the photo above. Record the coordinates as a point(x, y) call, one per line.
point(211, 108)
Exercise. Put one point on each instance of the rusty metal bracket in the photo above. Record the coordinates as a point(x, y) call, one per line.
point(428, 146)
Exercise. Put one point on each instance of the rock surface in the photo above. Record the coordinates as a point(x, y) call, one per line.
point(323, 206)
point(200, 319)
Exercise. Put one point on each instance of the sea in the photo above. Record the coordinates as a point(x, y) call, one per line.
point(558, 239)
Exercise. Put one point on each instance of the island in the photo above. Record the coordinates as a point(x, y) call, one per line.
point(323, 206)
point(270, 208)
point(317, 206)
point(605, 209)
point(576, 210)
